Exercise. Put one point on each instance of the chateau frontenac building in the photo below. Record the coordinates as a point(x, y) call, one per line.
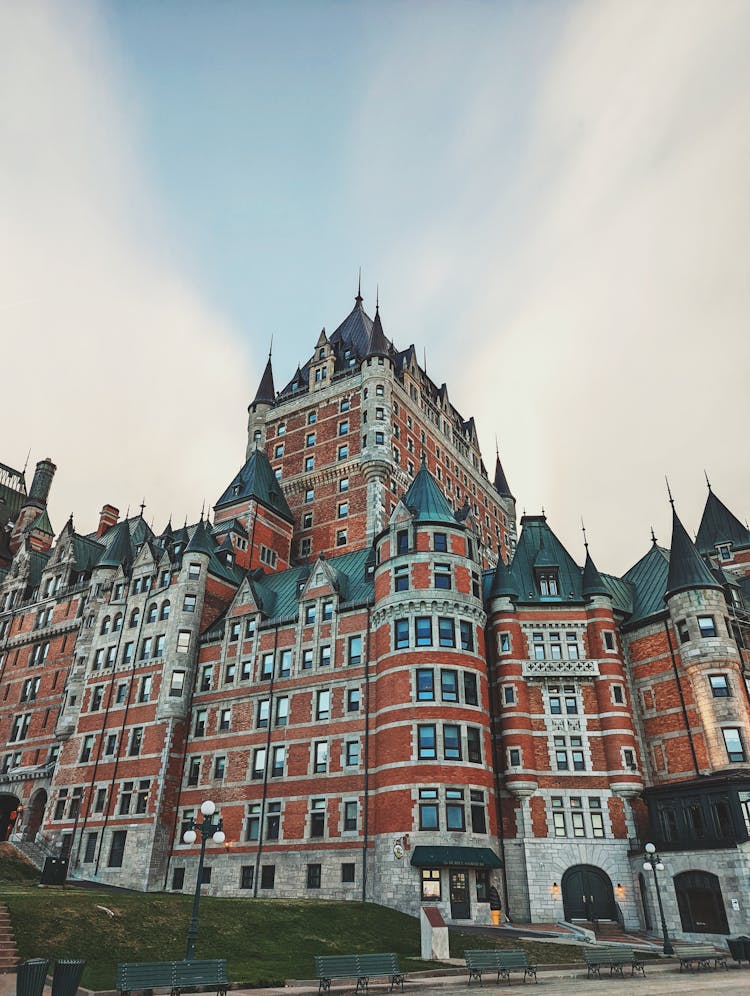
point(390, 690)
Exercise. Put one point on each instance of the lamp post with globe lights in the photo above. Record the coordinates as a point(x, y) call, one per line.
point(654, 863)
point(206, 828)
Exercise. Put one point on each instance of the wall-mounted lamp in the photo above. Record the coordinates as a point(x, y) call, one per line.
point(620, 890)
point(555, 889)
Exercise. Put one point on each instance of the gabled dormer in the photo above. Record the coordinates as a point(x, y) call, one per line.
point(322, 363)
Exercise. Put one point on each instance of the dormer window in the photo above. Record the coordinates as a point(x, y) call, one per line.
point(322, 353)
point(725, 551)
point(236, 489)
point(547, 582)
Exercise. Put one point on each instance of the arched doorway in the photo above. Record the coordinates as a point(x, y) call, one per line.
point(588, 894)
point(34, 814)
point(700, 903)
point(645, 902)
point(8, 814)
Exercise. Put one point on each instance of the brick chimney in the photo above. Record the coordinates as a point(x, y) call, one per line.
point(107, 518)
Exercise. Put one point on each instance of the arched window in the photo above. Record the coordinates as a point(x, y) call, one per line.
point(164, 614)
point(134, 617)
point(700, 903)
point(151, 617)
point(117, 623)
point(105, 625)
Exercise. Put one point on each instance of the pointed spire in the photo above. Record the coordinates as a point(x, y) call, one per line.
point(593, 584)
point(708, 483)
point(653, 536)
point(377, 345)
point(201, 541)
point(501, 481)
point(719, 526)
point(358, 298)
point(686, 569)
point(266, 393)
point(426, 501)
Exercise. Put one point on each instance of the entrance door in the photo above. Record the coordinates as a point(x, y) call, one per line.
point(588, 894)
point(459, 889)
point(8, 814)
point(700, 903)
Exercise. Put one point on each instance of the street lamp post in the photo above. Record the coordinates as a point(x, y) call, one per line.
point(654, 863)
point(206, 828)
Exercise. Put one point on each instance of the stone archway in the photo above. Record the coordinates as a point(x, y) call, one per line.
point(588, 894)
point(8, 814)
point(34, 814)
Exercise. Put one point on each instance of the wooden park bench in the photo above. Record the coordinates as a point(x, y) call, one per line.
point(172, 975)
point(700, 956)
point(500, 960)
point(361, 967)
point(614, 957)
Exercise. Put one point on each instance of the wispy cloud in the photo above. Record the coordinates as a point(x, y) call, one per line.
point(585, 267)
point(112, 364)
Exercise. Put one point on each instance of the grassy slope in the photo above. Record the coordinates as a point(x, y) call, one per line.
point(264, 941)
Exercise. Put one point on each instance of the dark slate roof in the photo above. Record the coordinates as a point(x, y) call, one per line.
point(230, 526)
point(648, 579)
point(593, 583)
point(257, 480)
point(719, 525)
point(266, 392)
point(278, 593)
point(378, 345)
point(426, 501)
point(686, 568)
point(354, 332)
point(539, 547)
point(87, 552)
point(37, 562)
point(201, 541)
point(503, 582)
point(501, 481)
point(118, 546)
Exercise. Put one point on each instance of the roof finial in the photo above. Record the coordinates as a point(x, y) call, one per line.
point(497, 447)
point(143, 505)
point(127, 513)
point(543, 512)
point(203, 508)
point(669, 492)
point(585, 538)
point(28, 457)
point(653, 536)
point(377, 298)
point(270, 348)
point(708, 483)
point(358, 298)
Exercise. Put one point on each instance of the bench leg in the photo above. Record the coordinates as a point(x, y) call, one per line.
point(475, 973)
point(397, 980)
point(362, 984)
point(530, 971)
point(638, 966)
point(324, 985)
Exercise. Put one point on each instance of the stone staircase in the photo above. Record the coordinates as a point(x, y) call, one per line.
point(8, 952)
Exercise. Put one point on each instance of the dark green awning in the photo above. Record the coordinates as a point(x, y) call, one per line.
point(471, 857)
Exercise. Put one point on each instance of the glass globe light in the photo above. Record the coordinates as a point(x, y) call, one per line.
point(647, 866)
point(660, 866)
point(650, 848)
point(208, 808)
point(189, 836)
point(219, 837)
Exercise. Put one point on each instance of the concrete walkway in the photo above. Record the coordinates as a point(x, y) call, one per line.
point(661, 980)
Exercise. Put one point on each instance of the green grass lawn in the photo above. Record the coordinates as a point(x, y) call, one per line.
point(265, 941)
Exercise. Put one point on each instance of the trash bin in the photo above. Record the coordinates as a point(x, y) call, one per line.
point(31, 976)
point(67, 977)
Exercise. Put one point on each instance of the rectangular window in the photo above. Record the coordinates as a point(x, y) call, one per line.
point(478, 814)
point(207, 673)
point(323, 705)
point(352, 753)
point(401, 578)
point(609, 640)
point(350, 816)
point(440, 542)
point(449, 686)
point(252, 827)
point(354, 655)
point(474, 744)
point(425, 685)
point(352, 700)
point(136, 739)
point(194, 771)
point(321, 756)
point(313, 876)
point(325, 656)
point(428, 809)
point(719, 685)
point(277, 761)
point(446, 632)
point(471, 693)
point(317, 817)
point(267, 875)
point(431, 884)
point(189, 604)
point(183, 641)
point(402, 541)
point(87, 747)
point(427, 742)
point(343, 452)
point(200, 723)
point(262, 714)
point(259, 762)
point(455, 817)
point(344, 427)
point(733, 743)
point(451, 742)
point(282, 711)
point(443, 576)
point(117, 848)
point(707, 626)
point(538, 646)
point(177, 684)
point(225, 717)
point(467, 635)
point(571, 646)
point(505, 643)
point(246, 876)
point(285, 663)
point(401, 633)
point(347, 871)
point(423, 631)
point(266, 666)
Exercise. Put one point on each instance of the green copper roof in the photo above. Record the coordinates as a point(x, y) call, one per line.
point(719, 525)
point(503, 583)
point(649, 583)
point(593, 583)
point(539, 548)
point(257, 480)
point(119, 547)
point(621, 592)
point(426, 501)
point(42, 523)
point(201, 541)
point(686, 568)
point(87, 552)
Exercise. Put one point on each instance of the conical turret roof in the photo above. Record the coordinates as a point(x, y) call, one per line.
point(719, 525)
point(426, 501)
point(119, 550)
point(501, 481)
point(503, 582)
point(201, 541)
point(592, 579)
point(257, 480)
point(266, 394)
point(377, 344)
point(686, 568)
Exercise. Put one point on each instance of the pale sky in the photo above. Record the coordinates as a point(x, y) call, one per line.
point(553, 198)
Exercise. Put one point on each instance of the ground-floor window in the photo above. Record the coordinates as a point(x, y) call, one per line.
point(430, 883)
point(117, 848)
point(483, 885)
point(313, 876)
point(178, 878)
point(700, 903)
point(267, 876)
point(246, 876)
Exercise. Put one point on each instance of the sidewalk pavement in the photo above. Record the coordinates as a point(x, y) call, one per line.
point(661, 980)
